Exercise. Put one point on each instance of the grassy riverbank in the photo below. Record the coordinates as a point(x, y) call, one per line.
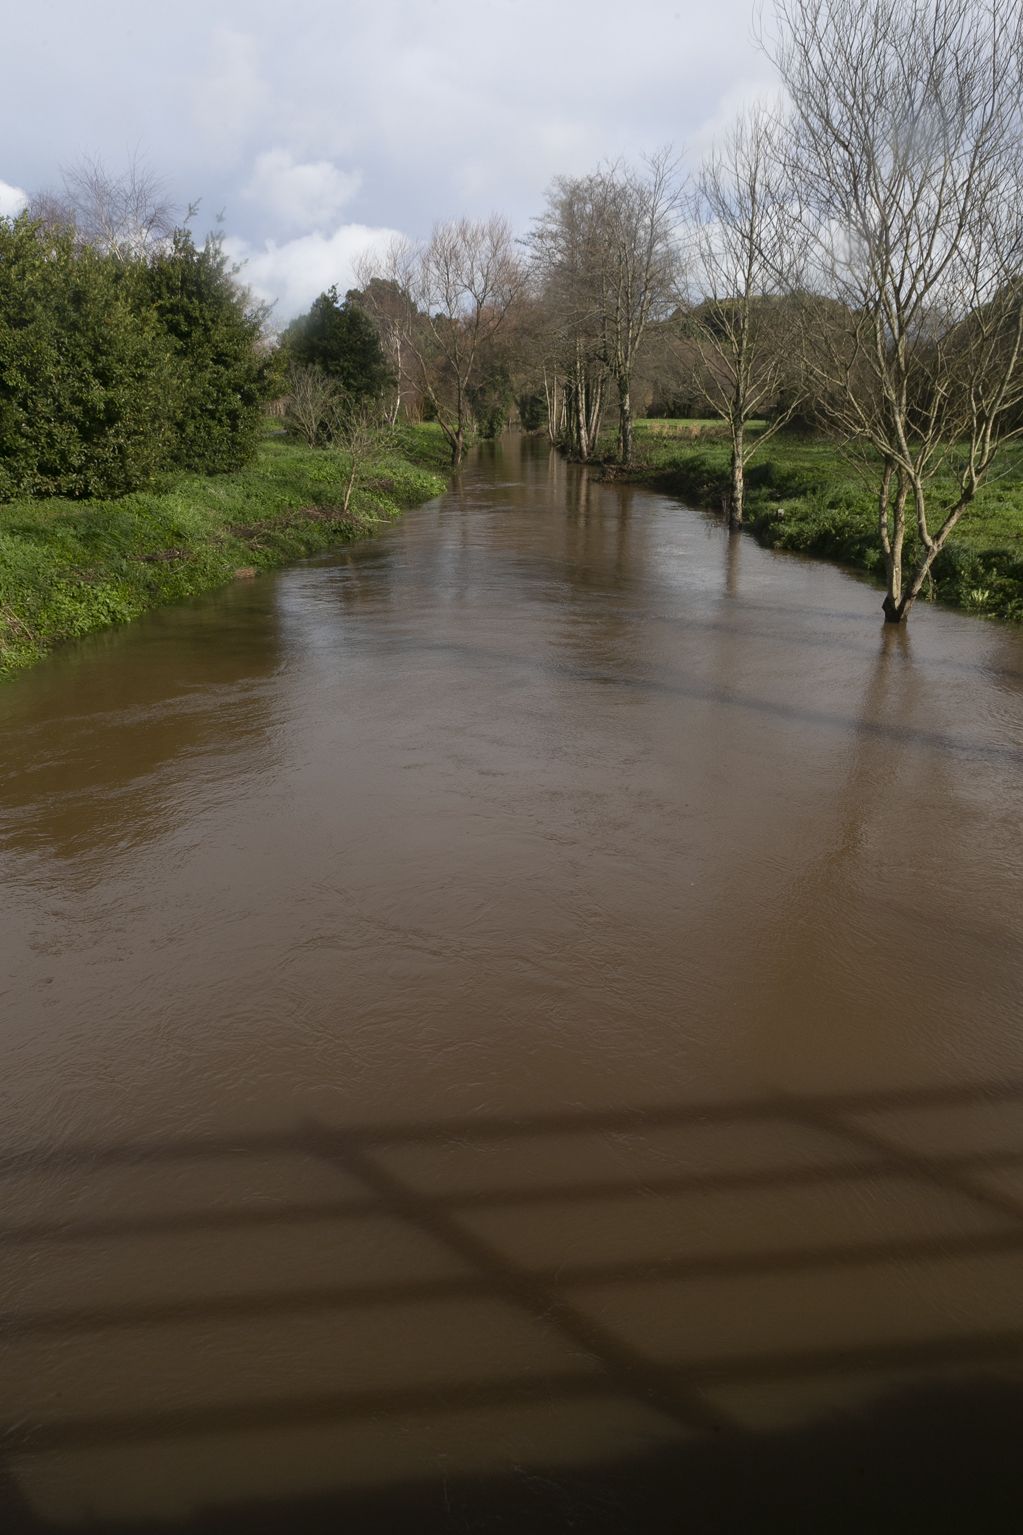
point(803, 495)
point(68, 568)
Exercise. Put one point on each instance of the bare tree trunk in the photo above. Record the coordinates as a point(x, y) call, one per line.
point(581, 427)
point(625, 431)
point(932, 549)
point(398, 372)
point(892, 527)
point(455, 439)
point(737, 499)
point(550, 394)
point(596, 406)
point(582, 436)
point(350, 486)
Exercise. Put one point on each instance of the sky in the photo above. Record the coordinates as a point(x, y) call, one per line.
point(316, 129)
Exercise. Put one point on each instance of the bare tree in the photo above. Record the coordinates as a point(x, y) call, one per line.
point(607, 254)
point(745, 327)
point(311, 404)
point(356, 436)
point(637, 212)
point(128, 214)
point(906, 150)
point(384, 300)
point(457, 290)
point(565, 248)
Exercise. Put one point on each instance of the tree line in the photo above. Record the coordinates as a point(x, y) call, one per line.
point(847, 259)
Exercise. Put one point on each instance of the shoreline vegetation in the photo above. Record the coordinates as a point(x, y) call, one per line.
point(71, 567)
point(803, 495)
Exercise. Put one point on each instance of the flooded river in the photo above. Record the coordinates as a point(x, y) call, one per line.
point(515, 1027)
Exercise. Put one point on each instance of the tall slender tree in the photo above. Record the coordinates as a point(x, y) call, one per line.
point(564, 245)
point(638, 213)
point(744, 329)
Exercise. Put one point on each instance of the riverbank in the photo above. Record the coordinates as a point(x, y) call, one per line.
point(68, 568)
point(803, 495)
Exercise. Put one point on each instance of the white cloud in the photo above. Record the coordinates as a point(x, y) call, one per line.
point(442, 118)
point(300, 195)
point(296, 271)
point(12, 200)
point(739, 97)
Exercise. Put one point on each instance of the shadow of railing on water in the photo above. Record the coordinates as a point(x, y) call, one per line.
point(712, 1471)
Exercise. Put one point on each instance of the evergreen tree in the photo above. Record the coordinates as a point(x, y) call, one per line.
point(340, 338)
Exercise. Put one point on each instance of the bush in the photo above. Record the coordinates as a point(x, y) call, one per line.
point(213, 329)
point(113, 368)
point(87, 379)
point(532, 411)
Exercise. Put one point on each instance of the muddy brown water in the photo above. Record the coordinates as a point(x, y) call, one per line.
point(515, 1027)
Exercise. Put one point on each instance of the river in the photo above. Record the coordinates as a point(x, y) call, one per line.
point(514, 1026)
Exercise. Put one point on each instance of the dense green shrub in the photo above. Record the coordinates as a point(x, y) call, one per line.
point(214, 331)
point(491, 396)
point(87, 380)
point(115, 367)
point(532, 408)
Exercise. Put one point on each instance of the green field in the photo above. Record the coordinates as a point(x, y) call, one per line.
point(689, 428)
point(804, 494)
point(70, 567)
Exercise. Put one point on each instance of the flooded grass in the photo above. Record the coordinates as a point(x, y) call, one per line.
point(803, 494)
point(68, 568)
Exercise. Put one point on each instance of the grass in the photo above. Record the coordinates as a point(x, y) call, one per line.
point(691, 428)
point(68, 568)
point(803, 494)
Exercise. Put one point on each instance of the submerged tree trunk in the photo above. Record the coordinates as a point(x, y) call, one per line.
point(932, 547)
point(456, 440)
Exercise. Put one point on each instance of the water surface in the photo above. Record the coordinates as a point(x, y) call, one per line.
point(515, 1027)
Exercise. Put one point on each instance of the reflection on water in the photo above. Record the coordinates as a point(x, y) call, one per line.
point(515, 1028)
point(90, 740)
